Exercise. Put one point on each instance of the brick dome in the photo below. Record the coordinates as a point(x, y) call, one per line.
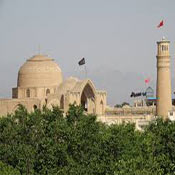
point(39, 71)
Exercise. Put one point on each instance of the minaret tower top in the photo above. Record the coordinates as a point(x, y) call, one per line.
point(163, 47)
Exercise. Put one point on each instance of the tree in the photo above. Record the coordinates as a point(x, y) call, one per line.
point(8, 170)
point(46, 142)
point(121, 105)
point(125, 103)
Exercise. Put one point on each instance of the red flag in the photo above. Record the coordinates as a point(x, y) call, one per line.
point(161, 24)
point(147, 80)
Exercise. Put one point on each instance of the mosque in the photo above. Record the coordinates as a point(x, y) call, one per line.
point(40, 82)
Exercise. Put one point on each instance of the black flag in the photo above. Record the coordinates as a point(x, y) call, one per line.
point(81, 62)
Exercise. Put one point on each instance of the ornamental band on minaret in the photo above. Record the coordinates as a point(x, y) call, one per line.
point(164, 101)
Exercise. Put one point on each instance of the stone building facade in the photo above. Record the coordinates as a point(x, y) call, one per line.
point(40, 82)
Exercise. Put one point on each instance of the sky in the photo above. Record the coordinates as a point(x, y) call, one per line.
point(116, 37)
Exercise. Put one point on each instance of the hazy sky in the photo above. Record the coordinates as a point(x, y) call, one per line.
point(116, 37)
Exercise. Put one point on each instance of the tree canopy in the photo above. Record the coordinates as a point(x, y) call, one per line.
point(121, 105)
point(47, 142)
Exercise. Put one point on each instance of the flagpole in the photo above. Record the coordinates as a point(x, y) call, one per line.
point(82, 62)
point(85, 70)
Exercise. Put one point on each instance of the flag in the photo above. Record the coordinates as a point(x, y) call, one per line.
point(132, 94)
point(147, 80)
point(81, 62)
point(160, 24)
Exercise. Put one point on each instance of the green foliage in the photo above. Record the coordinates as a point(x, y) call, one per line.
point(8, 170)
point(125, 103)
point(47, 142)
point(118, 106)
point(121, 105)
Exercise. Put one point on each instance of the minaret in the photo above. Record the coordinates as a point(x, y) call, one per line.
point(163, 94)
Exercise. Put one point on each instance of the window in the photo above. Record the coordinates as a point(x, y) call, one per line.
point(164, 48)
point(35, 107)
point(47, 92)
point(28, 93)
point(62, 102)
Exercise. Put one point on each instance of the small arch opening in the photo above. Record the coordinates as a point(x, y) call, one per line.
point(163, 47)
point(35, 107)
point(62, 102)
point(47, 92)
point(28, 93)
point(101, 107)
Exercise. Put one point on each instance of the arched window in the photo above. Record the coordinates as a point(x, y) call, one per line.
point(62, 102)
point(35, 107)
point(28, 93)
point(87, 98)
point(101, 107)
point(162, 47)
point(47, 92)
